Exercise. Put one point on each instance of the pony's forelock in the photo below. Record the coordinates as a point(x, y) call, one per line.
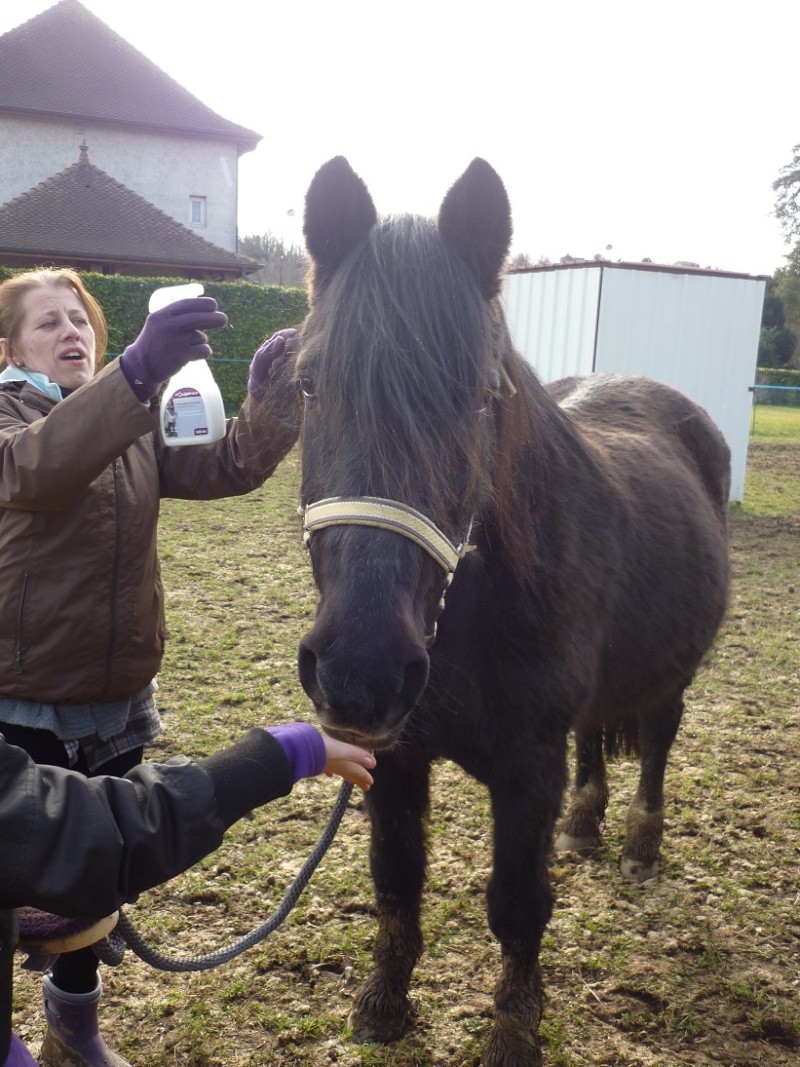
point(397, 344)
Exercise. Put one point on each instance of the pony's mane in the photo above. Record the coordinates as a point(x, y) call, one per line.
point(397, 341)
point(529, 429)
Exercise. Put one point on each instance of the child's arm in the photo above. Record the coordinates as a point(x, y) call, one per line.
point(81, 847)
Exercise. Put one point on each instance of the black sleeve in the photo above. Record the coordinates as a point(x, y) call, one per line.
point(83, 846)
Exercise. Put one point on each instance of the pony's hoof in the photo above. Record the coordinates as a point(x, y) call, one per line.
point(568, 843)
point(379, 1015)
point(636, 871)
point(368, 1031)
point(511, 1050)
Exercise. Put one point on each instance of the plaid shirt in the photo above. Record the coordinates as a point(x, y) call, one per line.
point(101, 731)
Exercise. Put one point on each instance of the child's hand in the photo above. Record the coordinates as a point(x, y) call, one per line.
point(349, 761)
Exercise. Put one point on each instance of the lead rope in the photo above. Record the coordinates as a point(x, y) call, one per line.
point(112, 948)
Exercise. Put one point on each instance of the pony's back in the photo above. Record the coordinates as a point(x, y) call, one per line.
point(605, 403)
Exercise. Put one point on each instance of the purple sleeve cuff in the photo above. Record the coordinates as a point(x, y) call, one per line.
point(136, 373)
point(304, 748)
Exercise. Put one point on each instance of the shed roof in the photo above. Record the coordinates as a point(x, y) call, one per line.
point(568, 263)
point(66, 62)
point(82, 215)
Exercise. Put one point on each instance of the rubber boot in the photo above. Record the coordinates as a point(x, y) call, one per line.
point(72, 1038)
point(18, 1055)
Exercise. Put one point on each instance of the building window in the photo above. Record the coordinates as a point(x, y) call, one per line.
point(197, 210)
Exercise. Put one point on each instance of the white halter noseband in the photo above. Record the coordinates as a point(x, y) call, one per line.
point(387, 515)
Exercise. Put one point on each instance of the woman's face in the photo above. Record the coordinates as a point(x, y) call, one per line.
point(55, 337)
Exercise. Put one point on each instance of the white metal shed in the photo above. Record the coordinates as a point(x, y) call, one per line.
point(695, 329)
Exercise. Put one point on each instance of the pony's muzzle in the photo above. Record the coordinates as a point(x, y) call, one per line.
point(359, 699)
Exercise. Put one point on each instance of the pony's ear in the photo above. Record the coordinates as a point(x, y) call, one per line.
point(339, 214)
point(475, 221)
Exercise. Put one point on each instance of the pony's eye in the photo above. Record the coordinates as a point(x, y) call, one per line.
point(306, 386)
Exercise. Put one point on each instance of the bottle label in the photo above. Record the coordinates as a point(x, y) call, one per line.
point(185, 414)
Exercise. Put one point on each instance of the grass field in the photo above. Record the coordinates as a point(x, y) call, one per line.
point(772, 480)
point(774, 423)
point(699, 969)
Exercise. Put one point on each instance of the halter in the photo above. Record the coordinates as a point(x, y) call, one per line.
point(388, 515)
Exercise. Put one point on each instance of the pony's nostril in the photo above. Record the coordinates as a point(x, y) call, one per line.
point(307, 670)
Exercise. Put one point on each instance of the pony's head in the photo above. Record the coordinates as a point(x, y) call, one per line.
point(399, 365)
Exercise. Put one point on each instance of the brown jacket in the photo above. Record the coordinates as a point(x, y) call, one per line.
point(81, 600)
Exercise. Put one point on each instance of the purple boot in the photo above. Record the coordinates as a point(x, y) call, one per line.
point(72, 1038)
point(18, 1055)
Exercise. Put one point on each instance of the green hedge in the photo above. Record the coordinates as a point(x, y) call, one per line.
point(775, 376)
point(254, 312)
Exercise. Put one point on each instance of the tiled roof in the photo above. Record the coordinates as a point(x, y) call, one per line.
point(84, 214)
point(66, 62)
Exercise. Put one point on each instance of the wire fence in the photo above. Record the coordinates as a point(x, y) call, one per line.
point(756, 389)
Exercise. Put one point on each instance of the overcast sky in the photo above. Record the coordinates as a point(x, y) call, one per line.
point(655, 129)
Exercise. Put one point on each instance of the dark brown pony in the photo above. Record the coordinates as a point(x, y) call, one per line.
point(597, 514)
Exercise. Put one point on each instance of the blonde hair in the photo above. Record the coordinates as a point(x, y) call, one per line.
point(14, 290)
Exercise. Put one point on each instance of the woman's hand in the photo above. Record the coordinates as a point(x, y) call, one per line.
point(170, 339)
point(268, 360)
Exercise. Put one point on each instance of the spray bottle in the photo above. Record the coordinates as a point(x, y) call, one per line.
point(192, 411)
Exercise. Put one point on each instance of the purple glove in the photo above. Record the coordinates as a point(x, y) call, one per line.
point(268, 360)
point(304, 748)
point(18, 1055)
point(170, 338)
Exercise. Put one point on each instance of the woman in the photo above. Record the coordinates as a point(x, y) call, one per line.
point(83, 846)
point(82, 473)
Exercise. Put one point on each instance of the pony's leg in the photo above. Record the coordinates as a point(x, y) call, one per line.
point(580, 827)
point(645, 823)
point(520, 902)
point(397, 805)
